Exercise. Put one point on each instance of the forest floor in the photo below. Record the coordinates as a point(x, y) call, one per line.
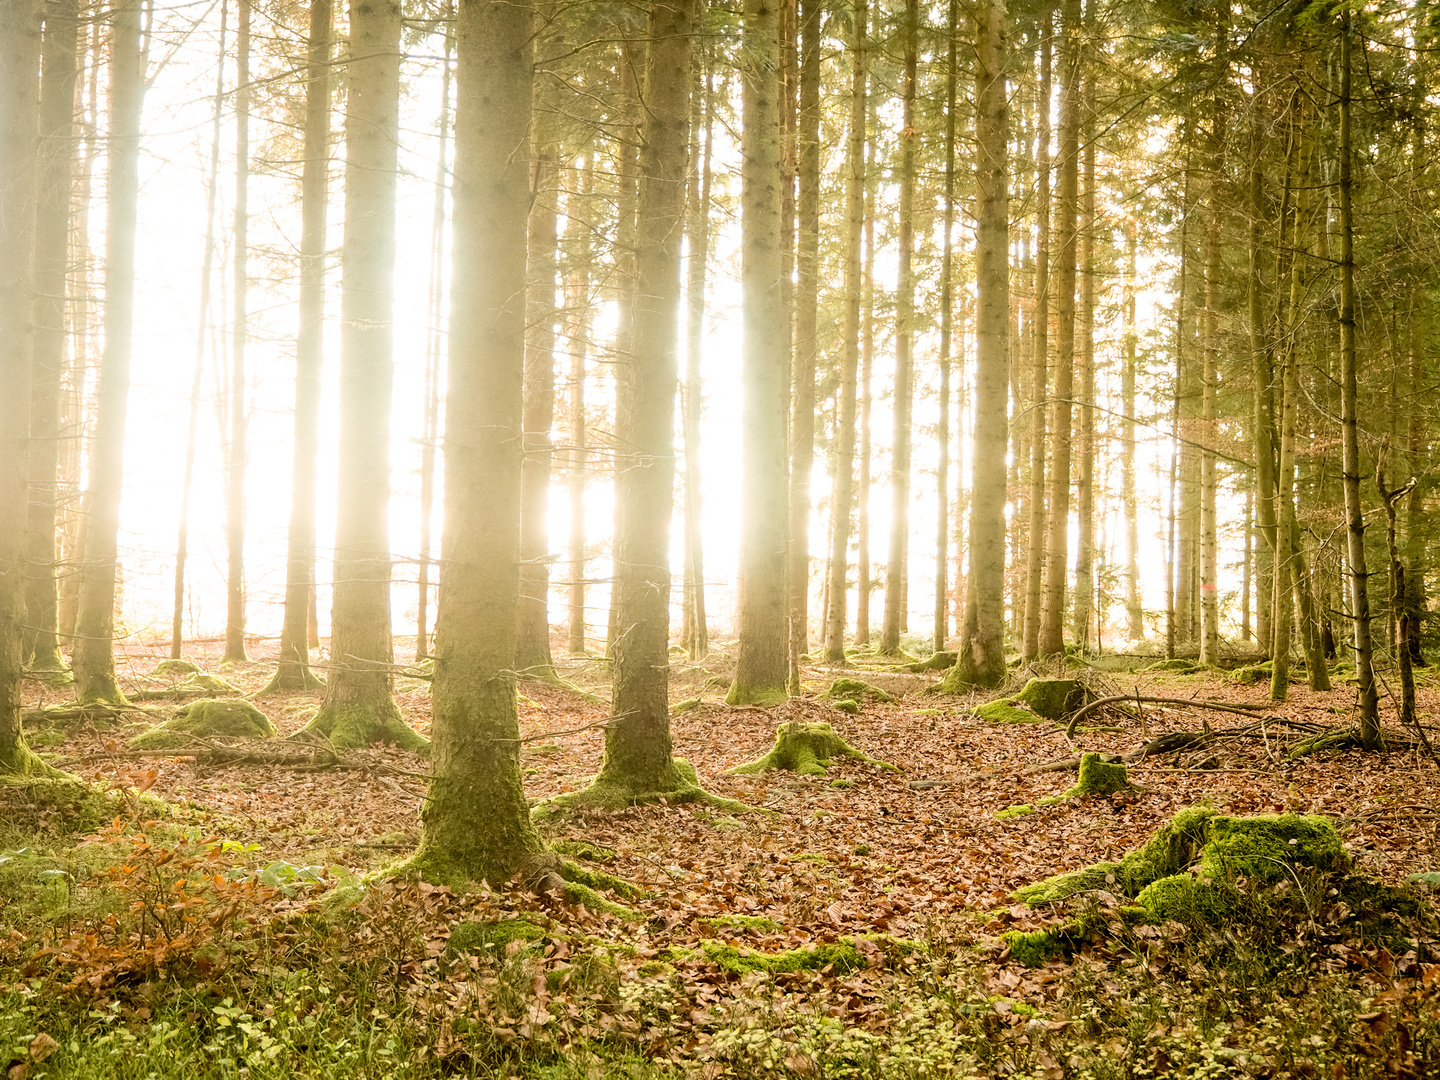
point(229, 923)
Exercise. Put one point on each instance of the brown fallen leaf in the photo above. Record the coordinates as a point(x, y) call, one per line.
point(42, 1046)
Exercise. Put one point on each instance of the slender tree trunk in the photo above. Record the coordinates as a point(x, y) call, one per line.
point(696, 631)
point(982, 655)
point(235, 445)
point(19, 168)
point(802, 394)
point(947, 318)
point(579, 306)
point(1134, 608)
point(1051, 641)
point(1209, 382)
point(1263, 373)
point(760, 674)
point(845, 462)
point(865, 401)
point(94, 657)
point(1039, 373)
point(202, 334)
point(359, 706)
point(532, 645)
point(1370, 734)
point(476, 755)
point(57, 152)
point(1085, 440)
point(903, 390)
point(638, 762)
point(434, 350)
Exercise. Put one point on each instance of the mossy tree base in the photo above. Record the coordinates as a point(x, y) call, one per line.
point(546, 675)
point(1054, 699)
point(611, 792)
point(855, 690)
point(50, 670)
point(760, 697)
point(207, 719)
point(19, 764)
point(352, 727)
point(301, 681)
point(806, 749)
point(541, 872)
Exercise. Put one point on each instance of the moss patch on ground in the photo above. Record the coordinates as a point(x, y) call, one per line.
point(807, 749)
point(1005, 711)
point(855, 689)
point(227, 718)
point(475, 937)
point(1097, 777)
point(1014, 812)
point(1054, 699)
point(57, 803)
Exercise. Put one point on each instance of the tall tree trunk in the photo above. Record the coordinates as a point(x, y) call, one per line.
point(532, 643)
point(760, 673)
point(696, 633)
point(202, 335)
point(94, 657)
point(845, 461)
point(1210, 375)
point(57, 151)
point(982, 655)
point(1040, 338)
point(638, 763)
point(947, 318)
point(1370, 734)
point(359, 706)
point(1051, 641)
point(476, 755)
point(903, 390)
point(802, 393)
point(294, 670)
point(578, 459)
point(1085, 440)
point(19, 167)
point(1263, 374)
point(1134, 609)
point(434, 350)
point(235, 445)
point(865, 401)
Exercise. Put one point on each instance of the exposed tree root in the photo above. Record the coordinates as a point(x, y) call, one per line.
point(609, 793)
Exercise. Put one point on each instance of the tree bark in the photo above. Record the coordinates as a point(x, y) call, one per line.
point(578, 459)
point(760, 674)
point(1085, 433)
point(695, 632)
point(947, 319)
point(1134, 608)
point(235, 443)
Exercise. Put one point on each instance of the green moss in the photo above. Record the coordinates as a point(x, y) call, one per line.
point(225, 718)
point(940, 661)
point(1262, 847)
point(761, 697)
point(758, 923)
point(1054, 699)
point(841, 957)
point(583, 849)
point(177, 670)
point(1177, 665)
point(688, 705)
point(856, 689)
point(477, 937)
point(1184, 898)
point(1004, 711)
point(806, 749)
point(1014, 812)
point(1033, 947)
point(351, 727)
point(1097, 777)
point(55, 801)
point(848, 706)
point(841, 784)
point(607, 792)
point(1253, 673)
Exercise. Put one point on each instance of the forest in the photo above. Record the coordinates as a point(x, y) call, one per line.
point(665, 538)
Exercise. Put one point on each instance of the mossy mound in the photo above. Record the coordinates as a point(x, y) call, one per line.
point(1097, 777)
point(1262, 847)
point(1176, 666)
point(175, 670)
point(940, 661)
point(1005, 711)
point(227, 718)
point(849, 706)
point(353, 727)
point(468, 938)
point(855, 689)
point(57, 803)
point(1054, 699)
point(806, 749)
point(849, 953)
point(760, 924)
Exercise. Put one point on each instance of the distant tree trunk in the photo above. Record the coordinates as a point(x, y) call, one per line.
point(532, 644)
point(294, 670)
point(359, 706)
point(1370, 734)
point(1039, 372)
point(94, 657)
point(235, 445)
point(695, 632)
point(1186, 510)
point(1051, 640)
point(57, 151)
point(865, 400)
point(802, 394)
point(981, 660)
point(1209, 383)
point(434, 350)
point(1263, 373)
point(638, 763)
point(476, 756)
point(19, 168)
point(1134, 609)
point(903, 390)
point(1085, 441)
point(760, 674)
point(579, 305)
point(947, 303)
point(845, 461)
point(202, 335)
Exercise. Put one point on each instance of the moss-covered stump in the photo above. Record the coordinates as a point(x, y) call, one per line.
point(849, 706)
point(806, 749)
point(609, 793)
point(1097, 777)
point(226, 718)
point(1005, 711)
point(175, 670)
point(855, 689)
point(1054, 699)
point(352, 727)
